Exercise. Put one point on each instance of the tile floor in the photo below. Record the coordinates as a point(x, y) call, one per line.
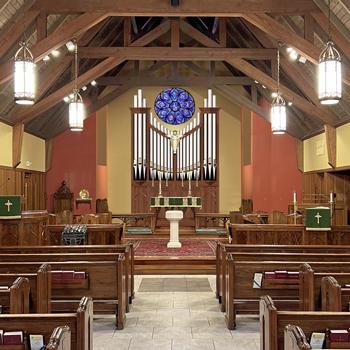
point(162, 319)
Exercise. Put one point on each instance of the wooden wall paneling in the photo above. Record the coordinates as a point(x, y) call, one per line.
point(331, 140)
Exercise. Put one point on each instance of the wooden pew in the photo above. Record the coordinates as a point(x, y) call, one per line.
point(310, 283)
point(96, 234)
point(273, 323)
point(69, 255)
point(105, 284)
point(40, 287)
point(334, 297)
point(241, 297)
point(222, 249)
point(127, 249)
point(295, 339)
point(60, 339)
point(80, 324)
point(15, 299)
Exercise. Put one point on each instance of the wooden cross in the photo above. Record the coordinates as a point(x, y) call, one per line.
point(318, 217)
point(8, 204)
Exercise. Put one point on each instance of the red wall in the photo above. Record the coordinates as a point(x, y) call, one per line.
point(74, 160)
point(274, 173)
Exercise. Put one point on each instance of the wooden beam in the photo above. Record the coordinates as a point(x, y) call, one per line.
point(309, 28)
point(235, 96)
point(48, 154)
point(155, 33)
point(194, 33)
point(127, 31)
point(175, 33)
point(148, 80)
point(266, 80)
point(13, 32)
point(293, 72)
point(59, 94)
point(223, 31)
point(41, 26)
point(188, 8)
point(340, 37)
point(17, 140)
point(331, 140)
point(176, 54)
point(279, 32)
point(72, 29)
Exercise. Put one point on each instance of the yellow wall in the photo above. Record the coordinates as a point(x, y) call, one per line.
point(5, 145)
point(313, 162)
point(343, 145)
point(33, 150)
point(315, 153)
point(119, 149)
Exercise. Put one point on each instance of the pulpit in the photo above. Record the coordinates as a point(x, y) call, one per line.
point(63, 199)
point(174, 216)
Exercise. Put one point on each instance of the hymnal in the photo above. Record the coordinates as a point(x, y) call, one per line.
point(4, 287)
point(80, 275)
point(257, 280)
point(317, 340)
point(269, 275)
point(67, 275)
point(293, 274)
point(338, 335)
point(281, 274)
point(36, 342)
point(56, 275)
point(13, 338)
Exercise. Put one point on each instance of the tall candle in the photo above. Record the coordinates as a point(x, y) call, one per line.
point(294, 197)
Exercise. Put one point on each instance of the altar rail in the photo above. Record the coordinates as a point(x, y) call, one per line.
point(287, 235)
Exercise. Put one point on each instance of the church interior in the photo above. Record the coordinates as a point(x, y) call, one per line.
point(174, 174)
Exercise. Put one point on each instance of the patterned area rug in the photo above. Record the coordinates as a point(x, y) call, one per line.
point(158, 247)
point(175, 285)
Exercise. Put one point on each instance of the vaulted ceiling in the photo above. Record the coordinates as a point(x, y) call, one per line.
point(129, 43)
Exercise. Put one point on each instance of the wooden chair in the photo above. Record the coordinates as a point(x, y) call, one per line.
point(104, 218)
point(64, 217)
point(89, 219)
point(63, 199)
point(277, 217)
point(101, 205)
point(60, 339)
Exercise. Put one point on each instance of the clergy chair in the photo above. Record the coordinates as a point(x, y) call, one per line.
point(89, 219)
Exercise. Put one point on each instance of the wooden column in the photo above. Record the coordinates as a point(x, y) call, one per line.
point(331, 140)
point(17, 140)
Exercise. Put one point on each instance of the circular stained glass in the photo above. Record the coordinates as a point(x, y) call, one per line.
point(174, 106)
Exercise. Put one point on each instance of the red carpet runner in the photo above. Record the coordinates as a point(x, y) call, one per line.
point(157, 247)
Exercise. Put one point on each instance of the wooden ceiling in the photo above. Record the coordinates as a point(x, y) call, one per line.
point(125, 44)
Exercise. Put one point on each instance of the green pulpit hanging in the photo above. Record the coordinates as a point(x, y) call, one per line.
point(318, 219)
point(10, 207)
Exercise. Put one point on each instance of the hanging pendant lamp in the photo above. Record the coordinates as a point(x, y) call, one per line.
point(329, 71)
point(76, 104)
point(278, 108)
point(24, 76)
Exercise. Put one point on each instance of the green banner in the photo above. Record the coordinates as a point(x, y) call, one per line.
point(10, 207)
point(318, 219)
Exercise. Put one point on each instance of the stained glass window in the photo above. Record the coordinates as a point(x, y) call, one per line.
point(174, 106)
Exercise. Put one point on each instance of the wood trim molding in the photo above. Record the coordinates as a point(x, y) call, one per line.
point(17, 140)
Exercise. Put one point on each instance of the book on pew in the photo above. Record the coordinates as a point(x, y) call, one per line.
point(257, 282)
point(56, 275)
point(4, 287)
point(338, 335)
point(269, 275)
point(67, 275)
point(293, 275)
point(13, 338)
point(36, 341)
point(317, 340)
point(79, 275)
point(347, 286)
point(281, 274)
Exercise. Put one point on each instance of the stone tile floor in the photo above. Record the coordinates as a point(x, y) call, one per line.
point(176, 321)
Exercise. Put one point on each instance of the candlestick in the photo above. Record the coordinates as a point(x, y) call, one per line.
point(189, 187)
point(160, 187)
point(331, 198)
point(294, 197)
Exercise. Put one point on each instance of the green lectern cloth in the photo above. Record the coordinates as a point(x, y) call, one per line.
point(10, 207)
point(318, 219)
point(186, 202)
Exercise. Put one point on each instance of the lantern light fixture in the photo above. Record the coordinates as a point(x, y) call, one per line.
point(24, 76)
point(76, 104)
point(329, 70)
point(278, 108)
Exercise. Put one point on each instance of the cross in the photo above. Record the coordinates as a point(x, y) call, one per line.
point(8, 204)
point(318, 217)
